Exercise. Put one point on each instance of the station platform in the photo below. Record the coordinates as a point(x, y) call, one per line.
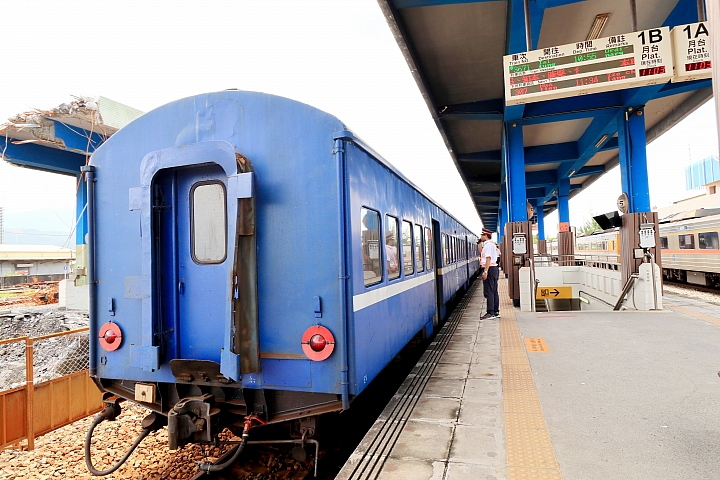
point(555, 395)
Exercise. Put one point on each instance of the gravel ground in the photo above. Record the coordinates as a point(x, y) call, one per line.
point(60, 455)
point(52, 357)
point(690, 292)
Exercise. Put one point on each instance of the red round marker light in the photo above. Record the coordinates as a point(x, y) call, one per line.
point(110, 337)
point(318, 343)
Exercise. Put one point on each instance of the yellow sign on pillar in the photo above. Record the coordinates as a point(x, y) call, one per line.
point(553, 292)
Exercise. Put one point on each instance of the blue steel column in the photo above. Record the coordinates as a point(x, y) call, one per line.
point(540, 213)
point(563, 204)
point(517, 195)
point(633, 159)
point(503, 213)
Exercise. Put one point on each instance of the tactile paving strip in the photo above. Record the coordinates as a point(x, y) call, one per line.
point(530, 454)
point(692, 313)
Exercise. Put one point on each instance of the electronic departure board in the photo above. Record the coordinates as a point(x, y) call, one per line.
point(691, 52)
point(612, 63)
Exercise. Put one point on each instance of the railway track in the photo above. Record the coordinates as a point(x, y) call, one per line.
point(707, 294)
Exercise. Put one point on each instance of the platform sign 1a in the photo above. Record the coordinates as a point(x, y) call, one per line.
point(692, 53)
point(600, 65)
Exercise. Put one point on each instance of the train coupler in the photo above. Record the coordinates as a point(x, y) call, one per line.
point(192, 419)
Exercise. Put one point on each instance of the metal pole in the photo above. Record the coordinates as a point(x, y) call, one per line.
point(528, 33)
point(633, 15)
point(89, 172)
point(702, 14)
point(713, 16)
point(30, 385)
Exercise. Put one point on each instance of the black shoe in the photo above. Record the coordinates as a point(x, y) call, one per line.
point(487, 316)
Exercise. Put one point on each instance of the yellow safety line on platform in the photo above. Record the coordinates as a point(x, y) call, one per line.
point(530, 453)
point(692, 313)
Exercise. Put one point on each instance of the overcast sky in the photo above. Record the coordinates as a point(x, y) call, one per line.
point(337, 55)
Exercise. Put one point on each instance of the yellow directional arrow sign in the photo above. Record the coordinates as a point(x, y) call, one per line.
point(554, 292)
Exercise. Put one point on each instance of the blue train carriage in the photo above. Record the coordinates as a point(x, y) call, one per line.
point(253, 262)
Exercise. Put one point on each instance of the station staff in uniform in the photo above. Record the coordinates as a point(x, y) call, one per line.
point(490, 275)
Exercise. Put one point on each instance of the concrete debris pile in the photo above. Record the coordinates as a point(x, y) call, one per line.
point(53, 357)
point(39, 126)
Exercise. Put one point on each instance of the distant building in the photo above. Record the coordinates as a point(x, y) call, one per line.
point(35, 260)
point(702, 177)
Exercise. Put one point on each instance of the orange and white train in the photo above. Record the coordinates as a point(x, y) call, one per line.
point(689, 246)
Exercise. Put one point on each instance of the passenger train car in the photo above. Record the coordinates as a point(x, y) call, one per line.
point(603, 245)
point(252, 261)
point(690, 247)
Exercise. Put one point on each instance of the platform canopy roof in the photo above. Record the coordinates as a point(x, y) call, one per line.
point(455, 48)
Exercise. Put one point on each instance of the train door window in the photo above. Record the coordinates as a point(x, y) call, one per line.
point(392, 259)
point(372, 259)
point(687, 242)
point(708, 241)
point(663, 243)
point(419, 265)
point(428, 249)
point(209, 223)
point(407, 248)
point(454, 249)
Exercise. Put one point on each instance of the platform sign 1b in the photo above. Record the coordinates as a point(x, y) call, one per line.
point(612, 63)
point(691, 52)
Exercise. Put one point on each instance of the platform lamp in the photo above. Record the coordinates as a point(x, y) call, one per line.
point(597, 26)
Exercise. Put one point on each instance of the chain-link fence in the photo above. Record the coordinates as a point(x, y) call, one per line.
point(58, 355)
point(54, 356)
point(12, 363)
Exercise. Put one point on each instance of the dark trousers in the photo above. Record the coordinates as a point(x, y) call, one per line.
point(490, 290)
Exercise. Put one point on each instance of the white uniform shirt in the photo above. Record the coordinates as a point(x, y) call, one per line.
point(489, 250)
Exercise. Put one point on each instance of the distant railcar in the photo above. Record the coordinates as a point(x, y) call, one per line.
point(252, 261)
point(602, 246)
point(690, 248)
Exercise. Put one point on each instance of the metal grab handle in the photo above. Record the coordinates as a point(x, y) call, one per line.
point(630, 282)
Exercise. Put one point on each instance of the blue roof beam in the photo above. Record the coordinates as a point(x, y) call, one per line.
point(557, 152)
point(537, 193)
point(541, 179)
point(76, 138)
point(481, 110)
point(430, 3)
point(486, 195)
point(43, 158)
point(588, 171)
point(489, 156)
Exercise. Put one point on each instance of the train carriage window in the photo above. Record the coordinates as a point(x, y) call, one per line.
point(446, 258)
point(407, 249)
point(392, 260)
point(708, 241)
point(419, 266)
point(209, 223)
point(372, 259)
point(663, 243)
point(428, 249)
point(687, 242)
